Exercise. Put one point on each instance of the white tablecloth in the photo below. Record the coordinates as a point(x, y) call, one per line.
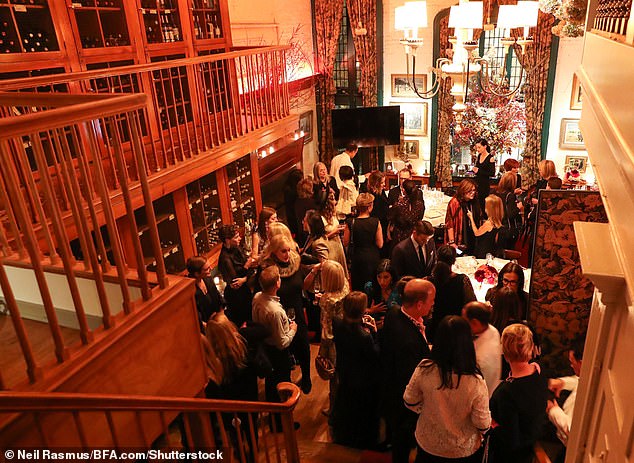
point(469, 264)
point(435, 207)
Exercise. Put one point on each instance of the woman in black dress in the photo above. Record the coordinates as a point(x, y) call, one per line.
point(380, 208)
point(453, 290)
point(367, 240)
point(282, 252)
point(518, 405)
point(236, 268)
point(484, 169)
point(408, 210)
point(208, 299)
point(355, 413)
point(491, 236)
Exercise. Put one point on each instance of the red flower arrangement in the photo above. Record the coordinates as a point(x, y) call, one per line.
point(486, 274)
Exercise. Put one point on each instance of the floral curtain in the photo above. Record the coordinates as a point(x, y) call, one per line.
point(363, 12)
point(442, 164)
point(328, 14)
point(536, 63)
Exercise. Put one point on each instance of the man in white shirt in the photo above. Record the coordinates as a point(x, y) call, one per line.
point(486, 340)
point(561, 417)
point(268, 311)
point(343, 159)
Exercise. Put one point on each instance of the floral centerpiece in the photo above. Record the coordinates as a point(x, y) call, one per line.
point(486, 274)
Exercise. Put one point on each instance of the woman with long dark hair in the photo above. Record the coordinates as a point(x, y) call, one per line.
point(208, 299)
point(450, 396)
point(382, 292)
point(511, 276)
point(484, 168)
point(236, 269)
point(355, 413)
point(453, 290)
point(458, 232)
point(491, 236)
point(512, 207)
point(259, 235)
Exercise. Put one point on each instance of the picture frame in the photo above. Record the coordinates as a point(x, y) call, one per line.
point(401, 88)
point(415, 117)
point(306, 124)
point(570, 136)
point(577, 162)
point(389, 167)
point(576, 95)
point(411, 147)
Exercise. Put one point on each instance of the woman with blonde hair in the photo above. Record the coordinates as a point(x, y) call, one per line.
point(490, 238)
point(322, 183)
point(366, 235)
point(279, 228)
point(335, 287)
point(518, 405)
point(282, 252)
point(334, 230)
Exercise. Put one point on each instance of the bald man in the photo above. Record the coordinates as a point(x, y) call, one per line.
point(403, 346)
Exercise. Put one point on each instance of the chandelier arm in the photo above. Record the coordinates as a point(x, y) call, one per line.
point(466, 82)
point(491, 88)
point(427, 94)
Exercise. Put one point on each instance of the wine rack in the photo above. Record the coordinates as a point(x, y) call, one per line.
point(172, 94)
point(241, 195)
point(168, 234)
point(78, 253)
point(161, 21)
point(204, 209)
point(207, 20)
point(26, 26)
point(101, 23)
point(612, 16)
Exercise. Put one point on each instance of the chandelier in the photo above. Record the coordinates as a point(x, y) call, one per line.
point(463, 61)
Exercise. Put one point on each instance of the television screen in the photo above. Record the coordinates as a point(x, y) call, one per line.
point(375, 126)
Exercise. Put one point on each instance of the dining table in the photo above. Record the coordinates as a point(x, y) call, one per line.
point(469, 265)
point(436, 203)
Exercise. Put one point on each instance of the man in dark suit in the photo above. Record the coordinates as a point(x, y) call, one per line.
point(403, 346)
point(397, 191)
point(416, 255)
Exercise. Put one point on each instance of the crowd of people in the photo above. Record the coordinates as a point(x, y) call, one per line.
point(407, 342)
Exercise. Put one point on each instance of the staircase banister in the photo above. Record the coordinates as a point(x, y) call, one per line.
point(15, 402)
point(32, 82)
point(68, 115)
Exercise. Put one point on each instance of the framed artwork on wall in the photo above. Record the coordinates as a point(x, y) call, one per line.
point(412, 148)
point(575, 96)
point(401, 88)
point(415, 117)
point(306, 124)
point(577, 162)
point(570, 136)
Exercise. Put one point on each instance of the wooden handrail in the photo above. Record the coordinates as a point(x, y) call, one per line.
point(43, 99)
point(68, 115)
point(20, 83)
point(15, 402)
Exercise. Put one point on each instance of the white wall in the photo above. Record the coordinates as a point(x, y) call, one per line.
point(568, 61)
point(276, 22)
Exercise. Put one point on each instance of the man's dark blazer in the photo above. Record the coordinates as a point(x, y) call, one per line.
point(402, 348)
point(395, 193)
point(405, 259)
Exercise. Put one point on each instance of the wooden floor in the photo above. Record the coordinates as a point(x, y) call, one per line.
point(12, 364)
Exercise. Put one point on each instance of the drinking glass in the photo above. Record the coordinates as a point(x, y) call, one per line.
point(291, 314)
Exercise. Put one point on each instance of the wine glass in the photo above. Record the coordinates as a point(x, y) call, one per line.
point(291, 314)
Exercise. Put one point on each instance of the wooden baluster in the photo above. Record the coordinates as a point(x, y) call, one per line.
point(93, 258)
point(266, 78)
point(216, 108)
point(33, 371)
point(203, 104)
point(155, 240)
point(25, 225)
point(150, 85)
point(13, 225)
point(127, 200)
point(170, 149)
point(31, 191)
point(80, 430)
point(76, 210)
point(253, 436)
point(165, 427)
point(113, 430)
point(239, 113)
point(279, 76)
point(247, 94)
point(175, 104)
point(286, 99)
point(266, 434)
point(290, 439)
point(61, 197)
point(231, 102)
point(220, 108)
point(5, 246)
point(188, 431)
point(236, 422)
point(89, 197)
point(188, 138)
point(62, 240)
point(113, 233)
point(270, 59)
point(40, 430)
point(255, 92)
point(226, 442)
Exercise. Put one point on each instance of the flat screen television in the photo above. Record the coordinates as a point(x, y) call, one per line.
point(374, 126)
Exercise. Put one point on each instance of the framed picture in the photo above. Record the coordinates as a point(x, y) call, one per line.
point(411, 147)
point(575, 96)
point(401, 88)
point(570, 136)
point(577, 162)
point(415, 117)
point(306, 124)
point(389, 167)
